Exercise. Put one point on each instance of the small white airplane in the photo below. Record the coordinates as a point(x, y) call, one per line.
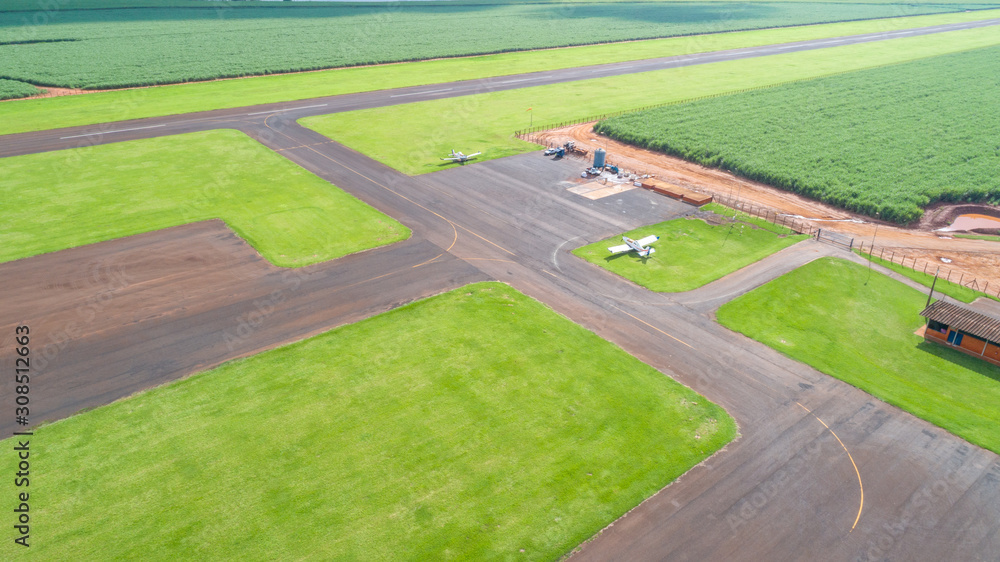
point(459, 157)
point(638, 246)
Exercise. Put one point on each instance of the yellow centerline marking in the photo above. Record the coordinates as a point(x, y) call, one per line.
point(394, 192)
point(487, 259)
point(432, 260)
point(856, 471)
point(651, 326)
point(453, 242)
point(300, 146)
point(487, 241)
point(450, 196)
point(369, 280)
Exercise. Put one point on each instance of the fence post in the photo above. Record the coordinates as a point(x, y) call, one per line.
point(882, 253)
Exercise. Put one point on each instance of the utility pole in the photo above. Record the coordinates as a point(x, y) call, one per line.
point(932, 287)
point(872, 250)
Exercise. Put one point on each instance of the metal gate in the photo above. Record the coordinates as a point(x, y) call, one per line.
point(836, 239)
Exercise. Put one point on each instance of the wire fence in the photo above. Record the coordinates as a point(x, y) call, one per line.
point(929, 267)
point(522, 133)
point(848, 243)
point(587, 156)
point(771, 215)
point(768, 214)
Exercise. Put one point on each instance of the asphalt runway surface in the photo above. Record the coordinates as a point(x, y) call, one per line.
point(821, 470)
point(89, 135)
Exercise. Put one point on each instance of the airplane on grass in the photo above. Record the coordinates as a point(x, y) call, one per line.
point(638, 246)
point(459, 157)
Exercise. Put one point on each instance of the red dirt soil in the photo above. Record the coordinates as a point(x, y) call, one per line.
point(979, 259)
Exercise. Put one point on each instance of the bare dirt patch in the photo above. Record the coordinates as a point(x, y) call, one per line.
point(940, 215)
point(979, 259)
point(50, 92)
point(56, 92)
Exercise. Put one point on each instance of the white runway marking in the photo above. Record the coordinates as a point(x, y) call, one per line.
point(109, 132)
point(289, 109)
point(422, 92)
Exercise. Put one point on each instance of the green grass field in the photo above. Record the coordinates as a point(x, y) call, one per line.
point(58, 200)
point(824, 315)
point(33, 5)
point(66, 111)
point(989, 237)
point(943, 285)
point(117, 48)
point(474, 425)
point(747, 218)
point(690, 252)
point(888, 140)
point(421, 132)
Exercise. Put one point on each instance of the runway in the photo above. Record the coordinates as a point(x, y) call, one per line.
point(75, 137)
point(821, 470)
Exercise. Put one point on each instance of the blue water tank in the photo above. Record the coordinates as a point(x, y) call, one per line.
point(599, 158)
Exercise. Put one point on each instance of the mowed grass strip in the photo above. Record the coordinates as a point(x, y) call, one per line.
point(824, 315)
point(474, 425)
point(989, 237)
point(32, 5)
point(690, 253)
point(942, 285)
point(63, 199)
point(67, 111)
point(79, 49)
point(412, 137)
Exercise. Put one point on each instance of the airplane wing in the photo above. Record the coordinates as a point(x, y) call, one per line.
point(451, 159)
point(619, 249)
point(472, 155)
point(648, 240)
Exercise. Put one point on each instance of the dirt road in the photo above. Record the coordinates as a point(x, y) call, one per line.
point(978, 259)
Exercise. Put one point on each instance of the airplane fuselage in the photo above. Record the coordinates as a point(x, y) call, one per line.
point(639, 249)
point(636, 246)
